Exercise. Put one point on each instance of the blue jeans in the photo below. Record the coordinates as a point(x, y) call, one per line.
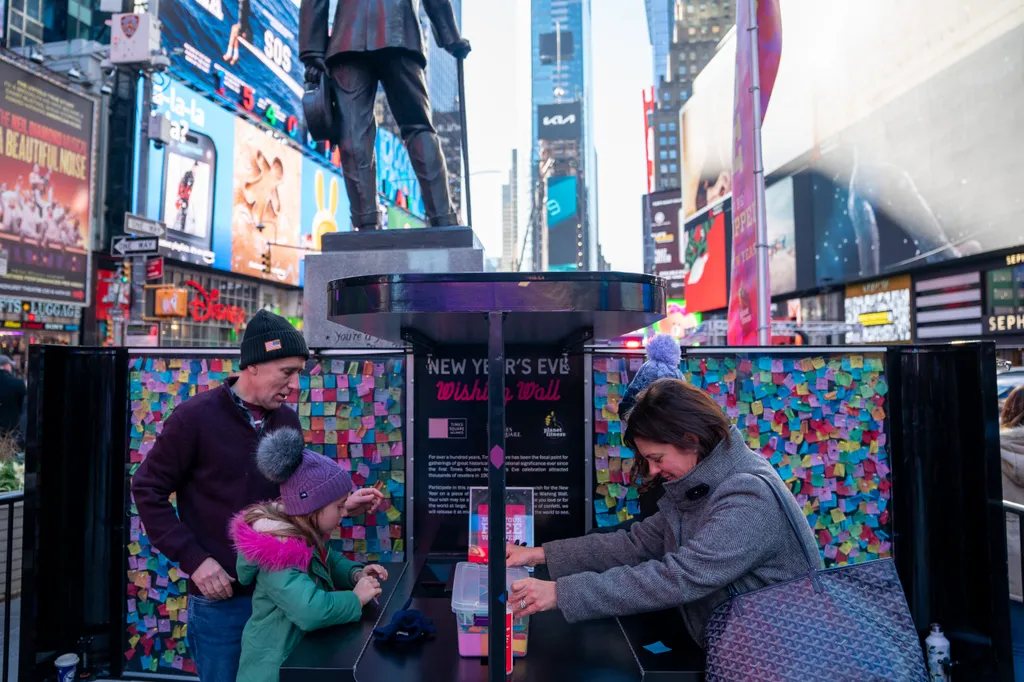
point(1017, 633)
point(215, 635)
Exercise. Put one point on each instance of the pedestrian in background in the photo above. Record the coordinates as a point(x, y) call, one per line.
point(12, 399)
point(1011, 443)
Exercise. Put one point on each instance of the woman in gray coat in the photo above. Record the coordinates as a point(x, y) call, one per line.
point(718, 524)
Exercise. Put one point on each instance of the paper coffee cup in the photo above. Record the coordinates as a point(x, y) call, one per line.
point(67, 667)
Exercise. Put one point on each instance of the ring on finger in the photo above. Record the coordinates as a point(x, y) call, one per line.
point(522, 604)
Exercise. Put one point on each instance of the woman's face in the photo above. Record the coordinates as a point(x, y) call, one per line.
point(668, 460)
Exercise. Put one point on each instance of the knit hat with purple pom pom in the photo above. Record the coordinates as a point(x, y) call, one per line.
point(663, 356)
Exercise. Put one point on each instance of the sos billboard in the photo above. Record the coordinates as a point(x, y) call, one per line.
point(242, 52)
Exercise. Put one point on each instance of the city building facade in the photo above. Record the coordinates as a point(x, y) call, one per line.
point(563, 158)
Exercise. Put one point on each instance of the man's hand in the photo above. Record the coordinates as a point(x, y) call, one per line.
point(363, 501)
point(212, 580)
point(315, 67)
point(530, 596)
point(459, 49)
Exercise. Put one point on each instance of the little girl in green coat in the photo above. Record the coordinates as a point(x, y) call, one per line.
point(301, 583)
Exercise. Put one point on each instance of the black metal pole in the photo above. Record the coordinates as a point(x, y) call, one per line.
point(465, 140)
point(496, 498)
point(9, 571)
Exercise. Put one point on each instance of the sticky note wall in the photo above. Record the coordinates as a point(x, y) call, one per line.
point(819, 419)
point(351, 409)
point(156, 606)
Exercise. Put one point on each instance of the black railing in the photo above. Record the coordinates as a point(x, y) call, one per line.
point(8, 503)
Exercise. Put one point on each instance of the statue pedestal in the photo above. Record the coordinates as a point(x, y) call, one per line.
point(382, 252)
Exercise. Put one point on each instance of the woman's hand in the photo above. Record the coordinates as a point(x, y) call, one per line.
point(517, 555)
point(530, 596)
point(375, 571)
point(367, 589)
point(363, 501)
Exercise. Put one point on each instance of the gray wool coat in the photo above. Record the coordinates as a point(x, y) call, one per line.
point(717, 526)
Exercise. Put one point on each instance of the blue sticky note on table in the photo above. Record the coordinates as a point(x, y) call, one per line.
point(657, 647)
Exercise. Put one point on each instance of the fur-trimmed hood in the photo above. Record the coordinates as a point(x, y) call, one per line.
point(1011, 445)
point(264, 550)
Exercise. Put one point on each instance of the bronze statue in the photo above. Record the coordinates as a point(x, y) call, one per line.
point(377, 41)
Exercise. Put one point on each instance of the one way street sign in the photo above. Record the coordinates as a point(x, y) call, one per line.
point(139, 246)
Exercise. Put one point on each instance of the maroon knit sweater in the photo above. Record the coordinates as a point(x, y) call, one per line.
point(206, 453)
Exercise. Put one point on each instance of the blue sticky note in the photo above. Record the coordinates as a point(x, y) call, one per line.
point(657, 647)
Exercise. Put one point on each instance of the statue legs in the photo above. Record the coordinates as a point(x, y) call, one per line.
point(401, 75)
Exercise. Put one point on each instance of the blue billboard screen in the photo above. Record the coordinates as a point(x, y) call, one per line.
point(563, 218)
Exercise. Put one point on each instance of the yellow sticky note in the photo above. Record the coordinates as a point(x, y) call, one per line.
point(134, 548)
point(398, 476)
point(360, 545)
point(609, 414)
point(610, 501)
point(173, 615)
point(174, 364)
point(857, 361)
point(840, 469)
point(756, 407)
point(797, 437)
point(623, 516)
point(801, 389)
point(806, 462)
point(846, 547)
point(838, 516)
point(392, 515)
point(398, 545)
point(874, 447)
point(172, 573)
point(133, 640)
point(602, 476)
point(818, 362)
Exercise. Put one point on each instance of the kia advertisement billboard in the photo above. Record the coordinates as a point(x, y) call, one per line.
point(559, 121)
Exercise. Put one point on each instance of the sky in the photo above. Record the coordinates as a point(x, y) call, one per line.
point(498, 117)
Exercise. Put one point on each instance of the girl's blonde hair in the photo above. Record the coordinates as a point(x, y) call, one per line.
point(305, 526)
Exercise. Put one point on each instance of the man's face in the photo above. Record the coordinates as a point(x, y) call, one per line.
point(273, 381)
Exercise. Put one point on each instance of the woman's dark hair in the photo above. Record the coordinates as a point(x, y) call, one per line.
point(1013, 409)
point(673, 412)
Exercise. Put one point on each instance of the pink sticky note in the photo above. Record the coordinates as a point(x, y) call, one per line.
point(358, 532)
point(380, 409)
point(363, 470)
point(368, 422)
point(830, 551)
point(183, 616)
point(161, 581)
point(821, 384)
point(150, 622)
point(396, 449)
point(165, 625)
point(316, 395)
point(131, 606)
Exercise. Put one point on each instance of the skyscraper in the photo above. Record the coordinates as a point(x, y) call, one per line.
point(510, 218)
point(697, 29)
point(659, 30)
point(563, 159)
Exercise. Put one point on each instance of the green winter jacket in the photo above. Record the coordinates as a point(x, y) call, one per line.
point(295, 593)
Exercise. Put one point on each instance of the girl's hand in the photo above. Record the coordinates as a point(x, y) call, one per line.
point(367, 589)
point(376, 571)
point(363, 501)
point(517, 555)
point(530, 596)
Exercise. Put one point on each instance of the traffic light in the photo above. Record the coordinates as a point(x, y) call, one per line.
point(265, 259)
point(126, 272)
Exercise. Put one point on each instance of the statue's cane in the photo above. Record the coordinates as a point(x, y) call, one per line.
point(465, 143)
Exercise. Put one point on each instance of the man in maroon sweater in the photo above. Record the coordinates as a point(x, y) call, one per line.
point(206, 454)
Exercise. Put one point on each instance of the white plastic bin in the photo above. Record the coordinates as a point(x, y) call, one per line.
point(469, 602)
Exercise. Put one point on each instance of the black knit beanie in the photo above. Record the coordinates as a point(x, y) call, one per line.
point(269, 337)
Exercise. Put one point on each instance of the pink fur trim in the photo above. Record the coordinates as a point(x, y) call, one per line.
point(269, 552)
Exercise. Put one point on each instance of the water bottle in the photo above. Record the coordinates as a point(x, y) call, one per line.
point(938, 654)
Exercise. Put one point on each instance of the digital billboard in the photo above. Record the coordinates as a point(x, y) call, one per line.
point(241, 52)
point(912, 137)
point(662, 211)
point(703, 258)
point(563, 218)
point(46, 168)
point(882, 309)
point(559, 121)
point(781, 227)
point(228, 191)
